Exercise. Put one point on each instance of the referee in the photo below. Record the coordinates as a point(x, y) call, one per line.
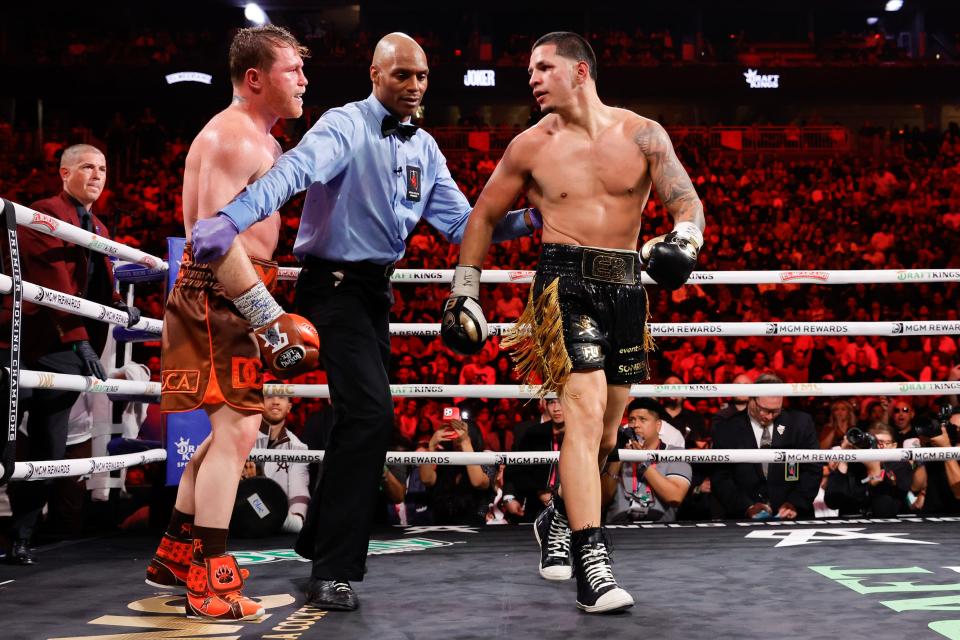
point(370, 176)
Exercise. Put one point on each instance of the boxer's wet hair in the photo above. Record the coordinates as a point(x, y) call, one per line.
point(571, 46)
point(253, 48)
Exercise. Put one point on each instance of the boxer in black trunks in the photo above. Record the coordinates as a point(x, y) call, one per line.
point(589, 169)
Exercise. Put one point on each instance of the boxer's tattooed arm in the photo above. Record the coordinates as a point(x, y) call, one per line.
point(669, 178)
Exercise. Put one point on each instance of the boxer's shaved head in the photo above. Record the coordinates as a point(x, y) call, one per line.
point(399, 73)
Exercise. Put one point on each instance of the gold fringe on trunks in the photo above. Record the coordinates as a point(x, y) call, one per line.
point(536, 342)
point(649, 344)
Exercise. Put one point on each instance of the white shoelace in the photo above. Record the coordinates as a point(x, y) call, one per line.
point(341, 586)
point(596, 565)
point(558, 546)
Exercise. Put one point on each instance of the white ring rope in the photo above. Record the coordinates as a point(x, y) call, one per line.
point(693, 456)
point(52, 226)
point(78, 306)
point(682, 329)
point(88, 384)
point(826, 276)
point(86, 466)
point(67, 382)
point(55, 227)
point(647, 390)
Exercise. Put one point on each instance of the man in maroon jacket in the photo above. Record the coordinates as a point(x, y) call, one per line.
point(55, 340)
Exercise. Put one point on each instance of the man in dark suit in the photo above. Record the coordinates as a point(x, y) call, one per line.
point(55, 340)
point(527, 489)
point(760, 491)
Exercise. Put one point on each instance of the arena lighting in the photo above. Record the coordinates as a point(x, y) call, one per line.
point(893, 5)
point(254, 14)
point(188, 76)
point(872, 20)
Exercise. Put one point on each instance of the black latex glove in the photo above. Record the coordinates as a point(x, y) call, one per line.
point(91, 362)
point(131, 311)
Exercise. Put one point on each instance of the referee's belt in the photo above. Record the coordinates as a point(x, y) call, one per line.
point(364, 269)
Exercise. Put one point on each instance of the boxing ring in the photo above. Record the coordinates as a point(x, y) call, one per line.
point(804, 579)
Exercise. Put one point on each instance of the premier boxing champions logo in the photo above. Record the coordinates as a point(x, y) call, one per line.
point(43, 220)
point(519, 276)
point(804, 276)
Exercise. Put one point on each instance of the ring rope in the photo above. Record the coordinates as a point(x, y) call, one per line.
point(84, 466)
point(68, 382)
point(52, 226)
point(78, 306)
point(682, 329)
point(88, 309)
point(692, 456)
point(87, 466)
point(826, 276)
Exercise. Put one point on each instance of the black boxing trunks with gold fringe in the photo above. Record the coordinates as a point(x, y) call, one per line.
point(586, 310)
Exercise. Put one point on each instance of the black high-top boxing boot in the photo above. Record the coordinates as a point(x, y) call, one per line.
point(597, 591)
point(553, 535)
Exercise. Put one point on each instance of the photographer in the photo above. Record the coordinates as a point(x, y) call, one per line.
point(528, 488)
point(459, 494)
point(634, 491)
point(937, 484)
point(875, 488)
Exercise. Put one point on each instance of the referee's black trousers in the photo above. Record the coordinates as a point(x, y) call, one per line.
point(350, 306)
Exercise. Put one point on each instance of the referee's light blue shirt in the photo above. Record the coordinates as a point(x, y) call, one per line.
point(356, 180)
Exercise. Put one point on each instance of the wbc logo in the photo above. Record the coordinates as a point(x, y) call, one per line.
point(274, 338)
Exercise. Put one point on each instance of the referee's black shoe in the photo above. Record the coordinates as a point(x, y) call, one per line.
point(331, 595)
point(597, 591)
point(552, 531)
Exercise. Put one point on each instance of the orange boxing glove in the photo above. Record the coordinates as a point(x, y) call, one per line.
point(289, 345)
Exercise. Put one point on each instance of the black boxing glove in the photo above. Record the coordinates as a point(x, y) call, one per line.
point(671, 258)
point(91, 361)
point(463, 328)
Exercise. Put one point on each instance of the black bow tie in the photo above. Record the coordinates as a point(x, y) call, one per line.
point(392, 125)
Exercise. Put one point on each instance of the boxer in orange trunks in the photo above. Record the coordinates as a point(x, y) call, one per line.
point(221, 320)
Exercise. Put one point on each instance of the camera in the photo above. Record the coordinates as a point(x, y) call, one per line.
point(860, 439)
point(932, 427)
point(627, 434)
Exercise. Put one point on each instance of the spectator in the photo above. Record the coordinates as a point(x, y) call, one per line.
point(55, 340)
point(841, 420)
point(877, 489)
point(678, 416)
point(634, 491)
point(901, 418)
point(746, 490)
point(458, 493)
point(937, 486)
point(529, 488)
point(737, 403)
point(393, 488)
point(293, 477)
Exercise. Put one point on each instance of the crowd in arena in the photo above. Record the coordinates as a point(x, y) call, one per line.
point(496, 44)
